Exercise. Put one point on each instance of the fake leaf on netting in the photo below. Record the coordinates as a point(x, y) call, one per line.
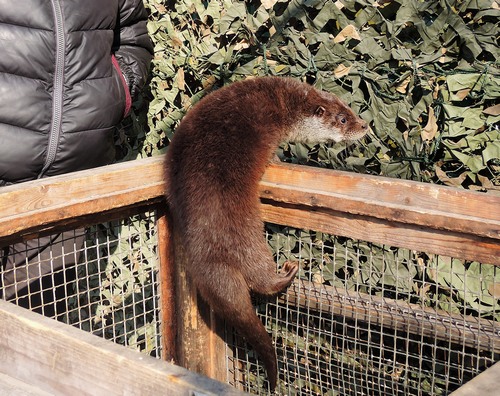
point(282, 242)
point(447, 303)
point(331, 54)
point(492, 87)
point(473, 118)
point(210, 9)
point(402, 87)
point(470, 46)
point(450, 181)
point(482, 283)
point(494, 289)
point(101, 311)
point(461, 84)
point(453, 111)
point(463, 121)
point(400, 276)
point(492, 110)
point(430, 130)
point(491, 151)
point(465, 282)
point(144, 338)
point(328, 11)
point(473, 162)
point(444, 270)
point(329, 275)
point(233, 17)
point(454, 129)
point(268, 4)
point(349, 32)
point(341, 70)
point(375, 50)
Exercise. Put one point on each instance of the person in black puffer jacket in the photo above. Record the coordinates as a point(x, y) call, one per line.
point(69, 72)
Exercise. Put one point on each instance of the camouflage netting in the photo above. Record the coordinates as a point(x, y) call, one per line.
point(423, 73)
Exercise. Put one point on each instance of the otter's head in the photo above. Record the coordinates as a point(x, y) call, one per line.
point(326, 119)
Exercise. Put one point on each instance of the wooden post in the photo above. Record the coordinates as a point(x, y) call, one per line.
point(167, 285)
point(201, 347)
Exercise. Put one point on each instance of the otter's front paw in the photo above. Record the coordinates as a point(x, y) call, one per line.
point(289, 269)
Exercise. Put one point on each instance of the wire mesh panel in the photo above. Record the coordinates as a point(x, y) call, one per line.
point(365, 319)
point(102, 279)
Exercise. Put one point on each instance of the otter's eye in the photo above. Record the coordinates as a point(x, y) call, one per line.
point(343, 120)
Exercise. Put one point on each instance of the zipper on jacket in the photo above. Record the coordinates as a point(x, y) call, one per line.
point(58, 87)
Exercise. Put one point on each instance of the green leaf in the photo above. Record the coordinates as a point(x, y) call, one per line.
point(473, 118)
point(473, 162)
point(492, 151)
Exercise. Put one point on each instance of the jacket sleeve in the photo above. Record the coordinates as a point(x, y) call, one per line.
point(133, 48)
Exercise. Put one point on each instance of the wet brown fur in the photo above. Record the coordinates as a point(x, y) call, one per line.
point(214, 164)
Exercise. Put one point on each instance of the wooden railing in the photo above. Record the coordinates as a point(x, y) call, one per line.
point(402, 213)
point(424, 217)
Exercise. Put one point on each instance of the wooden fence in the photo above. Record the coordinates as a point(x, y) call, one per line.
point(400, 213)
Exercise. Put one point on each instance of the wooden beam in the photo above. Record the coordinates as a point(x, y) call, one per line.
point(400, 315)
point(167, 286)
point(395, 200)
point(62, 360)
point(485, 383)
point(32, 206)
point(200, 342)
point(11, 386)
point(401, 213)
point(391, 233)
point(418, 216)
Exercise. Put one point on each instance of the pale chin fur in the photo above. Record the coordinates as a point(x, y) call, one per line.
point(313, 130)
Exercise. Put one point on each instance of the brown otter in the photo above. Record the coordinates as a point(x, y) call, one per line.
point(214, 163)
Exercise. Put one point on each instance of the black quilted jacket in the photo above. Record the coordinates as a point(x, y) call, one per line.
point(68, 73)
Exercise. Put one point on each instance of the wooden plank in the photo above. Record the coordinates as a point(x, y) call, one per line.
point(167, 286)
point(428, 205)
point(37, 231)
point(395, 314)
point(398, 212)
point(62, 360)
point(11, 387)
point(33, 205)
point(485, 384)
point(200, 343)
point(447, 243)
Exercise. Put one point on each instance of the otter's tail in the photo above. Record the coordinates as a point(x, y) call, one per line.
point(250, 327)
point(229, 297)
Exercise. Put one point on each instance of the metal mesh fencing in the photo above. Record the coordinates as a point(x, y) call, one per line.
point(361, 319)
point(366, 319)
point(102, 279)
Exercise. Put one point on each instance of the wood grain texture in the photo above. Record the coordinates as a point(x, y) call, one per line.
point(62, 360)
point(31, 206)
point(485, 383)
point(419, 216)
point(12, 387)
point(419, 238)
point(167, 286)
point(404, 201)
point(394, 314)
point(200, 344)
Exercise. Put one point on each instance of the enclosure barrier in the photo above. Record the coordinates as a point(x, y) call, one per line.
point(41, 356)
point(421, 217)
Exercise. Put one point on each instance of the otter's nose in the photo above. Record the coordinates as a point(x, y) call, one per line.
point(364, 125)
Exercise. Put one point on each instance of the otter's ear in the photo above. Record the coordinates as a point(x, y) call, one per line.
point(320, 110)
